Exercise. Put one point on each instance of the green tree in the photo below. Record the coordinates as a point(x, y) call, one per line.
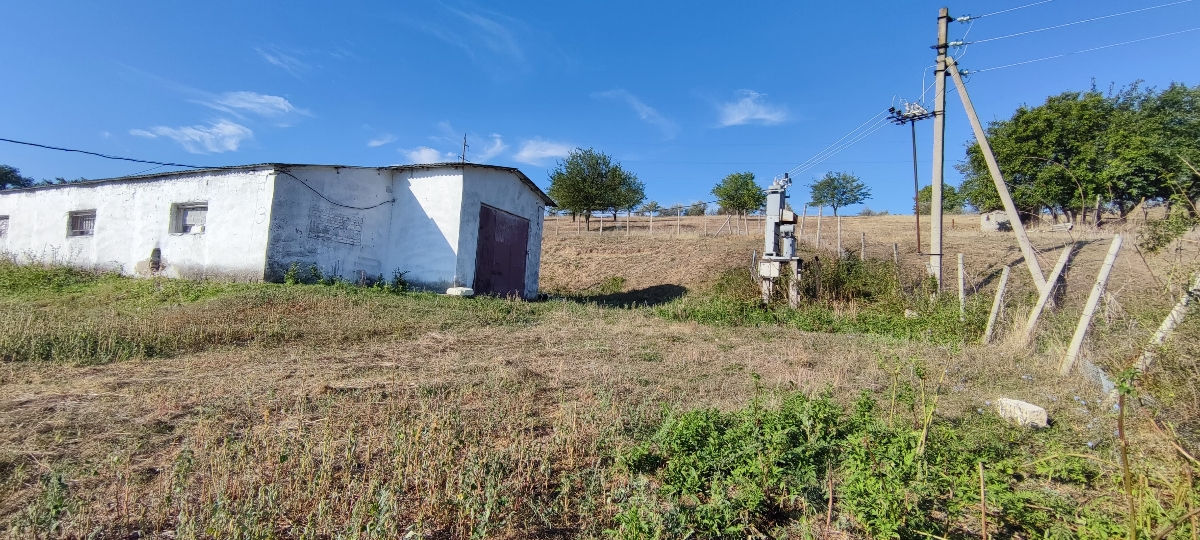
point(837, 190)
point(952, 200)
point(589, 181)
point(10, 177)
point(739, 193)
point(1124, 147)
point(649, 209)
point(697, 208)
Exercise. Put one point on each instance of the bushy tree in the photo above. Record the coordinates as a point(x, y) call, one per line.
point(589, 181)
point(10, 177)
point(952, 200)
point(738, 193)
point(697, 208)
point(649, 209)
point(1123, 146)
point(837, 190)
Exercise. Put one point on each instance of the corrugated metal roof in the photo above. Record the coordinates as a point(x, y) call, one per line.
point(260, 166)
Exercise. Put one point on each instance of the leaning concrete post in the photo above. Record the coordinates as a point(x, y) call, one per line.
point(1168, 326)
point(1089, 310)
point(1045, 292)
point(997, 303)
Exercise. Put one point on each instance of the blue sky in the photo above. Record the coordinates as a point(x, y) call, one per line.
point(681, 93)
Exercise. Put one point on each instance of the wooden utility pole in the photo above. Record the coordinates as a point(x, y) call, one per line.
point(939, 148)
point(1014, 218)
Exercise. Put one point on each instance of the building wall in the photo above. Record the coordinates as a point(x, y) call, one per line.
point(425, 226)
point(503, 190)
point(133, 218)
point(367, 222)
point(336, 218)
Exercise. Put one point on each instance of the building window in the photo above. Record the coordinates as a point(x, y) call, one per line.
point(81, 223)
point(189, 218)
point(3, 226)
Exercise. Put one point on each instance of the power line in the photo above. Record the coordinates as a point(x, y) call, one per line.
point(1007, 10)
point(816, 158)
point(1064, 25)
point(106, 156)
point(1110, 45)
point(832, 151)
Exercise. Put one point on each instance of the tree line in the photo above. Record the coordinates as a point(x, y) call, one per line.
point(1125, 146)
point(588, 182)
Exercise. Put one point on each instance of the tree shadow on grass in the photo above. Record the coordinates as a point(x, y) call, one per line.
point(649, 296)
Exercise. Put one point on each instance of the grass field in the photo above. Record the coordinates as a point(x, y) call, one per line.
point(647, 396)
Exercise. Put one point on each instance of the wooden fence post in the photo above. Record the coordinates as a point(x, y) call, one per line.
point(803, 218)
point(839, 235)
point(678, 218)
point(997, 303)
point(896, 254)
point(817, 243)
point(1045, 292)
point(1089, 310)
point(862, 247)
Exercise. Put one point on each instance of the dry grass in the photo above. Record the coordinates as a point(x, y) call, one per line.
point(313, 412)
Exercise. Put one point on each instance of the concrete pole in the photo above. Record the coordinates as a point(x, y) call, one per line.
point(912, 124)
point(818, 239)
point(962, 289)
point(896, 254)
point(1089, 309)
point(1044, 294)
point(839, 234)
point(862, 247)
point(939, 149)
point(803, 217)
point(651, 223)
point(678, 218)
point(1014, 218)
point(1167, 327)
point(997, 303)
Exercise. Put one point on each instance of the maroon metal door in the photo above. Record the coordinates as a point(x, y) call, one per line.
point(500, 254)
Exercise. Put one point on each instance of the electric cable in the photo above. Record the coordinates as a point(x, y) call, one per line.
point(1008, 10)
point(330, 201)
point(1110, 45)
point(107, 156)
point(1093, 19)
point(849, 134)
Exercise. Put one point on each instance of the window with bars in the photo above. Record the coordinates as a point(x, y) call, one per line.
point(81, 223)
point(189, 218)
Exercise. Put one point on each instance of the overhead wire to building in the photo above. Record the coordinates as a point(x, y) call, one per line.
point(1081, 21)
point(107, 156)
point(846, 140)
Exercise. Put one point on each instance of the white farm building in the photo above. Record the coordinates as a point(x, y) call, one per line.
point(445, 225)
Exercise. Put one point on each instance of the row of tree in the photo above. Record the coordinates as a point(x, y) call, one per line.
point(589, 182)
point(1123, 146)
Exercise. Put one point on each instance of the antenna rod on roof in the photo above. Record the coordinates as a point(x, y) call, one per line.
point(463, 157)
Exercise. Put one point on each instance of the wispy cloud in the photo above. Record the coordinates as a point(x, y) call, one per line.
point(287, 62)
point(220, 136)
point(381, 140)
point(494, 148)
point(425, 154)
point(749, 107)
point(490, 40)
point(537, 151)
point(645, 112)
point(243, 101)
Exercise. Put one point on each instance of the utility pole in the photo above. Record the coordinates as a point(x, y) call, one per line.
point(911, 113)
point(939, 148)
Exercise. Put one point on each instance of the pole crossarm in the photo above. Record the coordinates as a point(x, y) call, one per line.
point(1031, 261)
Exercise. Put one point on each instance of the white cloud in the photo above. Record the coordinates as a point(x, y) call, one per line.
point(272, 55)
point(645, 112)
point(220, 136)
point(381, 140)
point(536, 151)
point(252, 102)
point(750, 108)
point(493, 149)
point(495, 34)
point(425, 154)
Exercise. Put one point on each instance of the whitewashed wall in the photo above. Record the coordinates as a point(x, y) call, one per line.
point(426, 227)
point(504, 190)
point(133, 217)
point(341, 225)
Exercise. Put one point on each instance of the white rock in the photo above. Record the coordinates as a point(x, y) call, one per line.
point(994, 221)
point(1021, 412)
point(910, 314)
point(460, 291)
